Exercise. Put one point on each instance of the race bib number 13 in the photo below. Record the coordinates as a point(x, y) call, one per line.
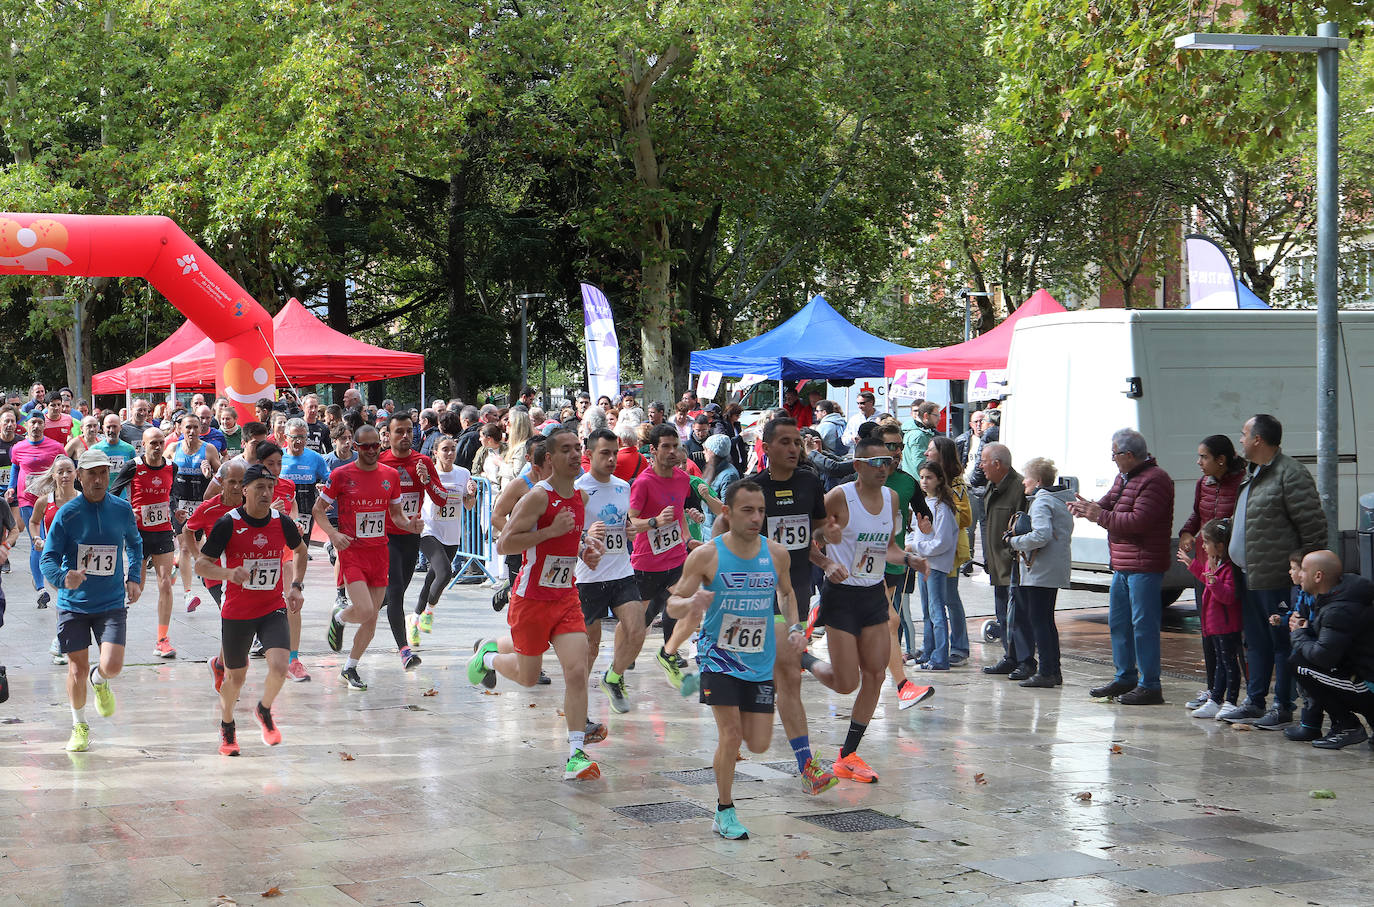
point(99, 560)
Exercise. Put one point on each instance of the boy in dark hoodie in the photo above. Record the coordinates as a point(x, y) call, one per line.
point(1309, 726)
point(1333, 652)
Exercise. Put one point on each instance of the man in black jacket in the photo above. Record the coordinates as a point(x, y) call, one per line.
point(1333, 655)
point(469, 442)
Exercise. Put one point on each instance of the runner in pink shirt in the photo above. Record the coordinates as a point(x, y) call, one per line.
point(31, 456)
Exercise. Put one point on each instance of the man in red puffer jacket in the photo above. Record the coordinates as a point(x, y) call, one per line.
point(1138, 514)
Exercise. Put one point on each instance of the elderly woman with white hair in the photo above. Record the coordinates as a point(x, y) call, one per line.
point(1045, 563)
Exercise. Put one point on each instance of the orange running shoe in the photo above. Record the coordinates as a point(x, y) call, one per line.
point(908, 694)
point(228, 745)
point(217, 671)
point(270, 734)
point(853, 768)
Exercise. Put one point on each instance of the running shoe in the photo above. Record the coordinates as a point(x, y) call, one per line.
point(479, 673)
point(104, 696)
point(427, 621)
point(164, 649)
point(908, 694)
point(815, 779)
point(217, 671)
point(413, 631)
point(341, 597)
point(854, 768)
point(615, 692)
point(43, 599)
point(270, 734)
point(502, 597)
point(296, 672)
point(192, 602)
point(691, 682)
point(594, 732)
point(228, 743)
point(727, 825)
point(544, 679)
point(329, 550)
point(55, 650)
point(333, 637)
point(580, 768)
point(1198, 701)
point(350, 677)
point(811, 620)
point(258, 650)
point(80, 740)
point(669, 664)
point(409, 660)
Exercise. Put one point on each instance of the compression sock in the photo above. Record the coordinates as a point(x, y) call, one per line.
point(79, 715)
point(807, 660)
point(851, 742)
point(576, 740)
point(612, 676)
point(162, 631)
point(801, 749)
point(295, 655)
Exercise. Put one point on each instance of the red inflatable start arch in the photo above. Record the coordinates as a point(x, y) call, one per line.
point(156, 249)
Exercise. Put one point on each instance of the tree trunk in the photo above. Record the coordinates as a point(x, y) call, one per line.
point(655, 334)
point(459, 373)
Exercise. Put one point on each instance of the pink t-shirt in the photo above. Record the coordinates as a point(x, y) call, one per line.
point(664, 548)
point(29, 460)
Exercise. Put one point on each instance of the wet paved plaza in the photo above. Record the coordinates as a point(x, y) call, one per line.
point(424, 790)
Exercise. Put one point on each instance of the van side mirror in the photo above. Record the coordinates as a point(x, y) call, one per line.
point(1069, 482)
point(1134, 388)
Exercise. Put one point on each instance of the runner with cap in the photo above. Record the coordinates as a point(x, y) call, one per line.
point(243, 550)
point(94, 557)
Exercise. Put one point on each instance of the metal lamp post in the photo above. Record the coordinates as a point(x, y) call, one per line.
point(524, 335)
point(1327, 46)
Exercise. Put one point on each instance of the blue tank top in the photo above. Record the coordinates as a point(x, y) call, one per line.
point(188, 463)
point(188, 482)
point(737, 634)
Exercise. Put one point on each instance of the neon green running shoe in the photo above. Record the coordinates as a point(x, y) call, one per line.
point(413, 631)
point(478, 673)
point(670, 666)
point(580, 768)
point(816, 779)
point(427, 621)
point(727, 825)
point(80, 740)
point(104, 696)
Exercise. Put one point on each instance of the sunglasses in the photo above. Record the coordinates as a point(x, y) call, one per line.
point(877, 462)
point(372, 446)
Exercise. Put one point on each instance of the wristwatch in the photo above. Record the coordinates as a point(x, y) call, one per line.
point(796, 628)
point(300, 586)
point(653, 522)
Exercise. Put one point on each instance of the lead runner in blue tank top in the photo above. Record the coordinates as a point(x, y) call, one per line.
point(728, 586)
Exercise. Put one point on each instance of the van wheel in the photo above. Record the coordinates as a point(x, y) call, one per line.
point(1168, 596)
point(992, 630)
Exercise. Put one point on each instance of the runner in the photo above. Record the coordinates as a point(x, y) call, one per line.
point(58, 424)
point(662, 538)
point(9, 422)
point(610, 589)
point(52, 488)
point(419, 480)
point(195, 461)
point(317, 432)
point(367, 493)
point(204, 517)
point(149, 480)
point(119, 452)
point(31, 455)
point(544, 608)
point(441, 535)
point(730, 587)
point(230, 428)
point(86, 439)
point(243, 550)
point(131, 432)
point(536, 469)
point(342, 438)
point(84, 557)
point(306, 470)
point(861, 530)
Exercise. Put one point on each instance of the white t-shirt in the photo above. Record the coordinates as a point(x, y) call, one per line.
point(608, 502)
point(446, 523)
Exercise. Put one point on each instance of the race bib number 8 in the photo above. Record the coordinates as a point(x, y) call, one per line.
point(99, 560)
point(870, 563)
point(369, 525)
point(558, 572)
point(263, 574)
point(791, 532)
point(159, 514)
point(410, 504)
point(665, 538)
point(743, 634)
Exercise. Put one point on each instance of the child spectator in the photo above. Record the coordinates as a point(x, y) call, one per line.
point(1309, 726)
point(1219, 611)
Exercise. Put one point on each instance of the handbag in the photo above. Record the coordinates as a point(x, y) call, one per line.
point(1020, 524)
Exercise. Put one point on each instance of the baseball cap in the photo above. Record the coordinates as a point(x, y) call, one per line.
point(92, 459)
point(255, 472)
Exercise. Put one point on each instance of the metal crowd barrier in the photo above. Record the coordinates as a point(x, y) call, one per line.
point(477, 542)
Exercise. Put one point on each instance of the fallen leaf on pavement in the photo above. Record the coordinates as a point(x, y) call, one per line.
point(1116, 749)
point(979, 778)
point(222, 900)
point(431, 692)
point(1242, 727)
point(560, 713)
point(1323, 795)
point(1083, 795)
point(273, 892)
point(804, 855)
point(490, 693)
point(532, 705)
point(345, 757)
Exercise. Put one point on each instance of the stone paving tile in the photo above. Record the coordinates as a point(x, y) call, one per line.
point(1041, 866)
point(1156, 880)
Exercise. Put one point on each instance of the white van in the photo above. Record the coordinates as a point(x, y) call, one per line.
point(1178, 376)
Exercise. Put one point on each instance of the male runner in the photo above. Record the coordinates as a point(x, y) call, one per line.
point(658, 517)
point(419, 477)
point(195, 462)
point(317, 431)
point(244, 551)
point(208, 512)
point(610, 588)
point(367, 493)
point(119, 452)
point(544, 607)
point(729, 587)
point(84, 559)
point(149, 480)
point(861, 536)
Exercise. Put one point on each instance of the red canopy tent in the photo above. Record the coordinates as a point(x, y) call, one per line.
point(310, 352)
point(988, 350)
point(116, 380)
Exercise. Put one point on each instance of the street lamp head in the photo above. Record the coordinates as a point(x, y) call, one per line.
point(1307, 44)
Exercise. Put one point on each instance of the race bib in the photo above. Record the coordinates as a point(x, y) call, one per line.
point(370, 525)
point(665, 538)
point(557, 573)
point(870, 562)
point(791, 532)
point(263, 574)
point(452, 509)
point(5, 472)
point(743, 634)
point(615, 540)
point(117, 462)
point(410, 504)
point(99, 560)
point(303, 524)
point(154, 515)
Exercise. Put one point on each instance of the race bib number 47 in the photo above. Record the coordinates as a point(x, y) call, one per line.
point(410, 504)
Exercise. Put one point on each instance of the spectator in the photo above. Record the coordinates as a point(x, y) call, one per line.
point(934, 538)
point(719, 473)
point(682, 421)
point(468, 439)
point(1046, 564)
point(917, 432)
point(429, 431)
point(694, 446)
point(973, 444)
point(490, 461)
point(1136, 513)
point(833, 470)
point(1333, 653)
point(658, 412)
point(941, 450)
point(1005, 497)
point(1219, 614)
point(1277, 511)
point(830, 423)
point(1214, 496)
point(867, 412)
point(799, 411)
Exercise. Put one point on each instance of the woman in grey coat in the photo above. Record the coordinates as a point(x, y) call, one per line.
point(1045, 563)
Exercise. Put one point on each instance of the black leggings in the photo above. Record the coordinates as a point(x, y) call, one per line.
point(1226, 678)
point(402, 550)
point(440, 558)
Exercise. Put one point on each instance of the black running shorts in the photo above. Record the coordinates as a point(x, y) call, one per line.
point(729, 690)
point(851, 608)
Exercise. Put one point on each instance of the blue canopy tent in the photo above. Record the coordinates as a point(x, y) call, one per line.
point(817, 342)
